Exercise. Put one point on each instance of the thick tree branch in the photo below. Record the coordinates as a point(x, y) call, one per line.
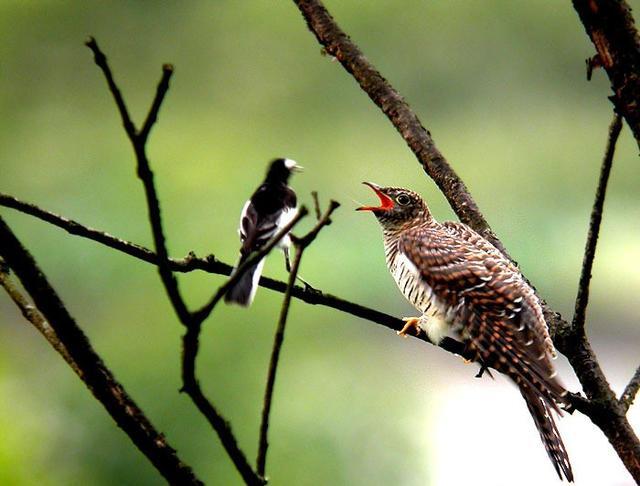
point(338, 44)
point(612, 30)
point(94, 373)
point(300, 245)
point(582, 298)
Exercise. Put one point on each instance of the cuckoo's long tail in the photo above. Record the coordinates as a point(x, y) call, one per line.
point(244, 290)
point(546, 425)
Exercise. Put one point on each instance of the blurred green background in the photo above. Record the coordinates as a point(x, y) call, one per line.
point(501, 85)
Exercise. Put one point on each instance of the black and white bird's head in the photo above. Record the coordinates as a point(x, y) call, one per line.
point(398, 207)
point(280, 170)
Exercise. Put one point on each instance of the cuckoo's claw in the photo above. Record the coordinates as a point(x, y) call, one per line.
point(410, 322)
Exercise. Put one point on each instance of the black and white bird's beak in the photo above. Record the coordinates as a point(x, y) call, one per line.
point(293, 166)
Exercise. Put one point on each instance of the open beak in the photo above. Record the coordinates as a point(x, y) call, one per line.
point(386, 202)
point(297, 168)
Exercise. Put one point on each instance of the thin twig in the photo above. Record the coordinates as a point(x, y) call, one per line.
point(101, 60)
point(630, 391)
point(300, 245)
point(94, 372)
point(582, 298)
point(316, 204)
point(152, 116)
point(38, 321)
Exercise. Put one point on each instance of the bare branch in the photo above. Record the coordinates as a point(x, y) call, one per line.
point(161, 91)
point(94, 373)
point(610, 25)
point(101, 61)
point(32, 315)
point(316, 205)
point(300, 245)
point(582, 298)
point(630, 392)
point(338, 44)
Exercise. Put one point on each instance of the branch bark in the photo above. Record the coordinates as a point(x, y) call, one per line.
point(610, 26)
point(94, 372)
point(582, 298)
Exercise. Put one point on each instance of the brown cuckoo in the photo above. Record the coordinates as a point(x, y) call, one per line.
point(462, 284)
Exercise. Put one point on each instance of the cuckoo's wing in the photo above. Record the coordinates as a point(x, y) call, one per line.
point(489, 304)
point(537, 323)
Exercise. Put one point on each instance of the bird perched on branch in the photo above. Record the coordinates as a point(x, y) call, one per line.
point(461, 283)
point(270, 208)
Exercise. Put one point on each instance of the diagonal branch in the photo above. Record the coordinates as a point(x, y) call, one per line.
point(300, 245)
point(94, 373)
point(101, 60)
point(610, 25)
point(31, 314)
point(582, 298)
point(338, 44)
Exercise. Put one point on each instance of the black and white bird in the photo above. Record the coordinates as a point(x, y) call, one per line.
point(270, 208)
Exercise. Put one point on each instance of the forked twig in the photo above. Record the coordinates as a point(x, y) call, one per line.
point(300, 245)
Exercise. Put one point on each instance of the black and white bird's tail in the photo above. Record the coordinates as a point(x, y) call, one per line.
point(244, 290)
point(546, 425)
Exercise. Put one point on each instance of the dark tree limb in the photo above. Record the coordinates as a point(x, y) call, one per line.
point(582, 298)
point(94, 373)
point(577, 349)
point(630, 392)
point(211, 264)
point(612, 30)
point(192, 321)
point(300, 244)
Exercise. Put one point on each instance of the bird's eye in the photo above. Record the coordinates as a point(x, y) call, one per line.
point(403, 199)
